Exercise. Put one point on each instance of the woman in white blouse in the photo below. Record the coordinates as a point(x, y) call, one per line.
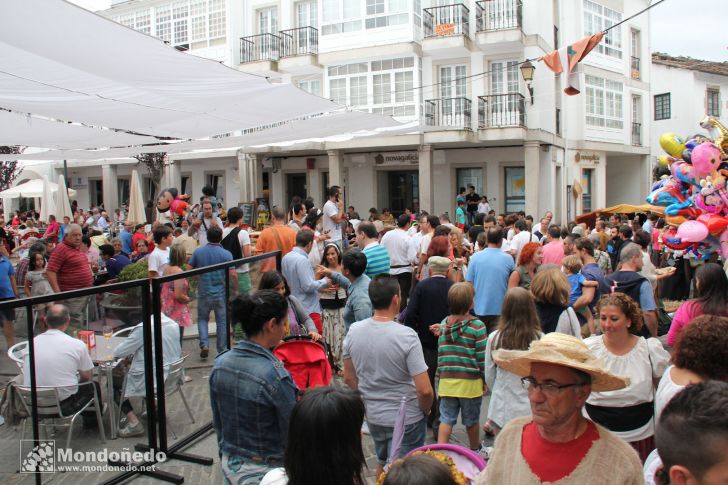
point(628, 412)
point(518, 327)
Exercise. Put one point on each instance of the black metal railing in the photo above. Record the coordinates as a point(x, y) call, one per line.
point(635, 67)
point(149, 294)
point(501, 110)
point(446, 20)
point(299, 42)
point(498, 15)
point(452, 112)
point(261, 47)
point(637, 134)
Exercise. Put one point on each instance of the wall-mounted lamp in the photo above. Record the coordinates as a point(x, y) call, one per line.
point(527, 70)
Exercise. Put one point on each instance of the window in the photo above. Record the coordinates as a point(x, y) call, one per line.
point(312, 86)
point(470, 176)
point(604, 103)
point(164, 23)
point(381, 13)
point(337, 90)
point(306, 15)
point(340, 16)
point(268, 20)
point(662, 106)
point(382, 89)
point(358, 91)
point(712, 102)
point(403, 86)
point(515, 189)
point(375, 6)
point(217, 18)
point(586, 195)
point(598, 18)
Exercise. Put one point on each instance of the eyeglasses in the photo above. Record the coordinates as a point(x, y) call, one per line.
point(548, 388)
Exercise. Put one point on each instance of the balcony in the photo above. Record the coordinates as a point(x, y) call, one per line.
point(502, 116)
point(448, 113)
point(260, 53)
point(637, 134)
point(447, 31)
point(299, 51)
point(635, 67)
point(498, 25)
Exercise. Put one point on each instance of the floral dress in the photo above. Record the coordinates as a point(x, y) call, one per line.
point(177, 311)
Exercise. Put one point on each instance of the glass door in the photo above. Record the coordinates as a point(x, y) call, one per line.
point(453, 89)
point(404, 191)
point(504, 90)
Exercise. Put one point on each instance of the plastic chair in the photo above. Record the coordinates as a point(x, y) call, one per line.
point(17, 354)
point(49, 407)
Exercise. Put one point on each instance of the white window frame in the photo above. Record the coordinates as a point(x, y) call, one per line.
point(604, 103)
point(306, 12)
point(715, 104)
point(266, 20)
point(312, 86)
point(597, 18)
point(348, 16)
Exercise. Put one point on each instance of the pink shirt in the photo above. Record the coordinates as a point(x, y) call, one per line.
point(684, 315)
point(553, 253)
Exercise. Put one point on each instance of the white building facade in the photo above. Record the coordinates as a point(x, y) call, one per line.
point(453, 66)
point(684, 92)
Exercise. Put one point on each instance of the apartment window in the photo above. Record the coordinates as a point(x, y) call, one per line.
point(382, 89)
point(268, 20)
point(375, 6)
point(504, 77)
point(598, 18)
point(198, 20)
point(452, 81)
point(164, 23)
point(340, 16)
point(312, 86)
point(604, 103)
point(403, 86)
point(385, 13)
point(306, 15)
point(143, 22)
point(180, 14)
point(662, 107)
point(217, 18)
point(337, 90)
point(358, 91)
point(712, 102)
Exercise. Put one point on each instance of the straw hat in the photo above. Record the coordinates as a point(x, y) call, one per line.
point(560, 349)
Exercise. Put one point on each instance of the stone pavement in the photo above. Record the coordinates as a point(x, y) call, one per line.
point(197, 395)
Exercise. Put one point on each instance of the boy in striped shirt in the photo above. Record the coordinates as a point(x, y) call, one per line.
point(461, 366)
point(367, 238)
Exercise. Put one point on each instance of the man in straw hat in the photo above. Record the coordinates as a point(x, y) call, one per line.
point(557, 444)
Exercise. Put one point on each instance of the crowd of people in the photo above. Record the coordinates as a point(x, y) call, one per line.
point(561, 327)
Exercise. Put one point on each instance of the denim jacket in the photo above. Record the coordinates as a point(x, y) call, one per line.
point(252, 397)
point(358, 305)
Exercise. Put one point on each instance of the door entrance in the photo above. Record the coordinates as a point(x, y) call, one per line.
point(295, 185)
point(403, 191)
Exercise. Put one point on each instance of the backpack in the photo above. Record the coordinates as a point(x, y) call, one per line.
point(232, 244)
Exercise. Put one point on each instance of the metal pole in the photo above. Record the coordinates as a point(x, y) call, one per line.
point(159, 362)
point(149, 369)
point(228, 325)
point(65, 175)
point(33, 390)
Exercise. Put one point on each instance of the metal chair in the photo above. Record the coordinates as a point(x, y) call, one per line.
point(49, 407)
point(17, 354)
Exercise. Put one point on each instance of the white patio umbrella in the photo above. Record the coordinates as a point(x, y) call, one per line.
point(136, 200)
point(63, 205)
point(47, 201)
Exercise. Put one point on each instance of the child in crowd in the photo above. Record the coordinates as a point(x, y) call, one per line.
point(37, 284)
point(460, 215)
point(572, 268)
point(460, 365)
point(433, 468)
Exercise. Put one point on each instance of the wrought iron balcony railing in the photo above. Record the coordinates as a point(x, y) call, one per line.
point(261, 47)
point(637, 134)
point(446, 20)
point(498, 15)
point(501, 110)
point(452, 112)
point(299, 42)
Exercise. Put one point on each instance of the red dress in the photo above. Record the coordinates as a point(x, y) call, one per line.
point(177, 311)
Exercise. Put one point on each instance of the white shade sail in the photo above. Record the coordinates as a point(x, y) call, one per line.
point(63, 205)
point(30, 189)
point(63, 62)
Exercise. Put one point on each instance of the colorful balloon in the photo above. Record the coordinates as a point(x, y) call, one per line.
point(672, 144)
point(716, 224)
point(692, 231)
point(706, 159)
point(723, 251)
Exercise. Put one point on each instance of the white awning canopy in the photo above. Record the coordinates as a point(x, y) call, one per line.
point(30, 189)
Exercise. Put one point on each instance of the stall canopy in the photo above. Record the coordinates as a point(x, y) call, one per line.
point(114, 87)
point(30, 189)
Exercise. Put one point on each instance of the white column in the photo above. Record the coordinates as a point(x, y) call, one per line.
point(427, 198)
point(110, 187)
point(172, 176)
point(254, 178)
point(532, 171)
point(248, 176)
point(336, 168)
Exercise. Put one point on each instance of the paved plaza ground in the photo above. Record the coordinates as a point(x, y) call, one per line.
point(197, 394)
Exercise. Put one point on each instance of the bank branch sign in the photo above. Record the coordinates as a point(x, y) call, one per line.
point(44, 457)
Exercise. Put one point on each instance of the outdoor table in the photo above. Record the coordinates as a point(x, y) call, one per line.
point(103, 356)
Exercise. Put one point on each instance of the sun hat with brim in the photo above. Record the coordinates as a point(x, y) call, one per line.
point(560, 349)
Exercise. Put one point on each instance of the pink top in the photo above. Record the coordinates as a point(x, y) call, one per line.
point(553, 253)
point(684, 315)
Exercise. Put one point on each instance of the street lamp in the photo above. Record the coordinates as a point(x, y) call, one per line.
point(527, 70)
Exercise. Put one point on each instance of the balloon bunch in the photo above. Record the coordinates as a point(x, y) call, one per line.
point(695, 194)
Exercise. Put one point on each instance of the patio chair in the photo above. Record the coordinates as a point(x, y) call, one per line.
point(17, 354)
point(49, 408)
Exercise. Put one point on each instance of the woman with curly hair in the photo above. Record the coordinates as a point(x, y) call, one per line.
point(528, 263)
point(701, 353)
point(551, 290)
point(629, 412)
point(711, 286)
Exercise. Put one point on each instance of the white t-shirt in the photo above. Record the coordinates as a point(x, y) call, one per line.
point(202, 231)
point(334, 229)
point(58, 359)
point(483, 207)
point(425, 243)
point(158, 260)
point(520, 240)
point(665, 392)
point(276, 476)
point(244, 240)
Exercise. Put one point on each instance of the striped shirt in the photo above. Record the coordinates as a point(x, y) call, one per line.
point(461, 352)
point(377, 259)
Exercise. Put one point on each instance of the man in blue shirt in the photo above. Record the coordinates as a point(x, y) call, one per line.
point(488, 271)
point(113, 263)
point(296, 268)
point(8, 291)
point(211, 290)
point(127, 247)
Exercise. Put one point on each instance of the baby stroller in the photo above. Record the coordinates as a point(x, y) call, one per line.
point(467, 461)
point(306, 360)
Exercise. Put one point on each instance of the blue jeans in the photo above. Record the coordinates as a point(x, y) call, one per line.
point(206, 304)
point(414, 437)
